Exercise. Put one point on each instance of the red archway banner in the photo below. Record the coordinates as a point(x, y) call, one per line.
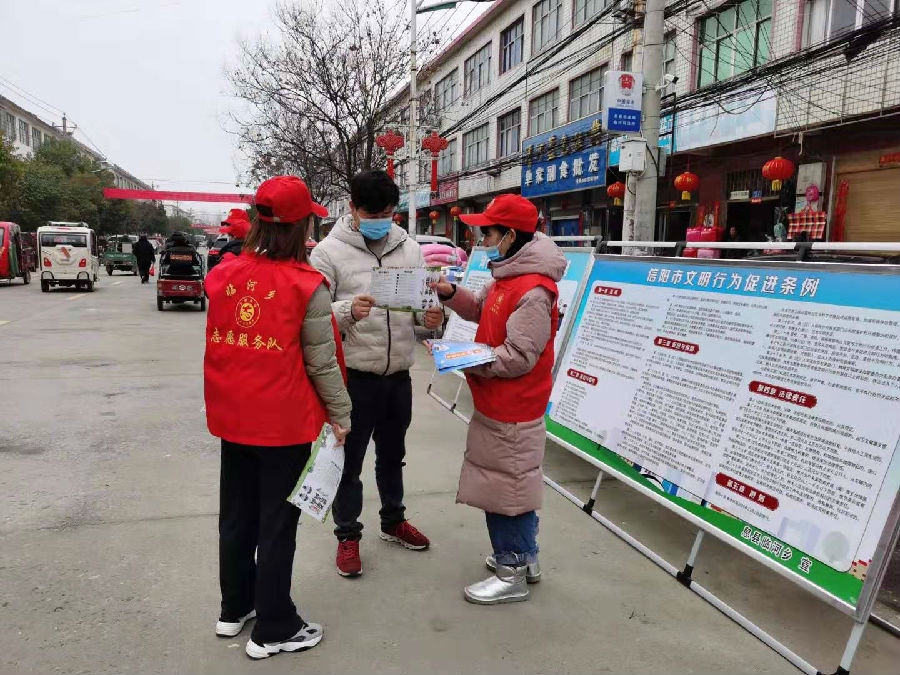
point(164, 196)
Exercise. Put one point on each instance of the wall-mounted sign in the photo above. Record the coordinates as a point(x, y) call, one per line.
point(621, 105)
point(566, 159)
point(739, 195)
point(889, 159)
point(448, 191)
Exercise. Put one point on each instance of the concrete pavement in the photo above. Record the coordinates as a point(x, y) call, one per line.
point(108, 502)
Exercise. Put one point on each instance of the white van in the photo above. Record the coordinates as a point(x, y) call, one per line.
point(68, 256)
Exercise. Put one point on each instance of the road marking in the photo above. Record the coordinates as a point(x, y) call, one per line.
point(75, 297)
point(3, 323)
point(116, 283)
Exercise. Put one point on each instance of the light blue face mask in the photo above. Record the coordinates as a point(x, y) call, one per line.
point(374, 228)
point(493, 252)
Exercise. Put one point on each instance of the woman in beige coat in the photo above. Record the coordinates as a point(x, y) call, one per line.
point(517, 316)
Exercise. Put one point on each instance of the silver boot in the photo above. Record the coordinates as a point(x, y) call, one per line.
point(532, 569)
point(507, 585)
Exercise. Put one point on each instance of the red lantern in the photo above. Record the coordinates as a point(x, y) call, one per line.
point(455, 211)
point(687, 183)
point(616, 192)
point(434, 215)
point(778, 170)
point(434, 144)
point(390, 143)
point(398, 218)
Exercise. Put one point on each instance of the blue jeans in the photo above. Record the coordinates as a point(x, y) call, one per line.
point(514, 538)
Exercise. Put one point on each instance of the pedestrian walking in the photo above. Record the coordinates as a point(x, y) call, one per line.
point(517, 315)
point(380, 347)
point(144, 254)
point(273, 376)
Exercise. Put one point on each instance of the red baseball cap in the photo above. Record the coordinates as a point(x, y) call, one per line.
point(508, 210)
point(286, 199)
point(237, 224)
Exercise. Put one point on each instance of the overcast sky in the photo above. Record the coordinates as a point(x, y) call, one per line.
point(143, 79)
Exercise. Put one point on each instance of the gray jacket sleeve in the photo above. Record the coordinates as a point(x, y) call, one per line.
point(468, 304)
point(528, 330)
point(320, 357)
point(341, 308)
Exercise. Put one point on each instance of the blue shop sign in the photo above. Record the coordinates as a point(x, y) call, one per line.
point(566, 159)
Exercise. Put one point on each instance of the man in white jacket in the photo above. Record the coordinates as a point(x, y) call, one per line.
point(379, 346)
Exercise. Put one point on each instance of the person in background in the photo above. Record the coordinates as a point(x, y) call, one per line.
point(237, 226)
point(144, 254)
point(380, 346)
point(732, 236)
point(517, 315)
point(272, 377)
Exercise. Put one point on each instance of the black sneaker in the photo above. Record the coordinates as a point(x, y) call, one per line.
point(308, 637)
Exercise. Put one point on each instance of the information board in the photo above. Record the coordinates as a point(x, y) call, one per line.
point(763, 399)
point(476, 277)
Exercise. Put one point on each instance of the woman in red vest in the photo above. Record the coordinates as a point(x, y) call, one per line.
point(517, 316)
point(273, 376)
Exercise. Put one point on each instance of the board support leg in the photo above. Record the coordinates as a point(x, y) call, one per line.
point(684, 576)
point(433, 394)
point(589, 505)
point(851, 647)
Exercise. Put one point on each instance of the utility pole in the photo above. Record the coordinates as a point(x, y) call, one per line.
point(640, 196)
point(413, 142)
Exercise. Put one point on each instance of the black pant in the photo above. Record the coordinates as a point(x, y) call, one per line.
point(144, 270)
point(255, 517)
point(382, 410)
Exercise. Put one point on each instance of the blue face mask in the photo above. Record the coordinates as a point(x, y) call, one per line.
point(374, 228)
point(493, 252)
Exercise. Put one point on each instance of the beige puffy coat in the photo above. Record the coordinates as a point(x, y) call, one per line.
point(501, 472)
point(384, 342)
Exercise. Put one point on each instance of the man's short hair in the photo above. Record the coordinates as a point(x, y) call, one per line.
point(374, 191)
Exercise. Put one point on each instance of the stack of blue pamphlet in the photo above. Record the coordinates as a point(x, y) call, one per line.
point(449, 355)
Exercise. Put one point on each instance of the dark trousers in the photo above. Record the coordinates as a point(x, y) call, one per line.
point(144, 270)
point(256, 520)
point(382, 411)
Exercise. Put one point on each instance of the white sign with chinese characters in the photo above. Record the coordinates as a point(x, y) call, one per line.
point(621, 105)
point(772, 393)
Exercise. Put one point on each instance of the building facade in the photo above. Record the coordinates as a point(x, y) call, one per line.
point(518, 97)
point(27, 132)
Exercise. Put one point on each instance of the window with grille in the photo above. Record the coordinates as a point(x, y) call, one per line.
point(8, 127)
point(543, 113)
point(477, 69)
point(445, 92)
point(475, 146)
point(512, 41)
point(36, 138)
point(509, 130)
point(545, 24)
point(734, 40)
point(24, 132)
point(669, 54)
point(627, 61)
point(826, 19)
point(586, 9)
point(447, 159)
point(585, 93)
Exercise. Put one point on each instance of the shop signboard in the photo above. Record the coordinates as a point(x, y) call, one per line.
point(760, 402)
point(566, 159)
point(448, 192)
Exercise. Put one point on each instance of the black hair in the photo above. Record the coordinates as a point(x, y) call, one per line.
point(519, 242)
point(373, 191)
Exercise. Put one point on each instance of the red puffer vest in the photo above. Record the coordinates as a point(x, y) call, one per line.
point(524, 398)
point(256, 387)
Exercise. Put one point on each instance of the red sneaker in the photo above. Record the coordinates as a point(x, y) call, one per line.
point(406, 535)
point(348, 561)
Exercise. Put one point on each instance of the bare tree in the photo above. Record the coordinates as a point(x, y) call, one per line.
point(315, 96)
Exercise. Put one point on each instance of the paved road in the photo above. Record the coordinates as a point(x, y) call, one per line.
point(108, 501)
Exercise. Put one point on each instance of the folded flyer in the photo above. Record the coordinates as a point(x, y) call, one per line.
point(320, 478)
point(450, 356)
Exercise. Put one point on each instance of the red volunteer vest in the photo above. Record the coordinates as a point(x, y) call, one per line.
point(256, 388)
point(524, 398)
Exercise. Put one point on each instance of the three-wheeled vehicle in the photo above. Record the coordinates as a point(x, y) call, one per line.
point(180, 278)
point(118, 254)
point(16, 257)
point(68, 256)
